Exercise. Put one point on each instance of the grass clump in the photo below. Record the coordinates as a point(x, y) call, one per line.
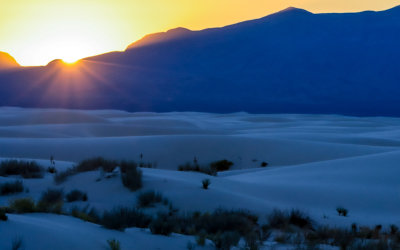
point(222, 165)
point(76, 195)
point(195, 167)
point(86, 166)
point(163, 224)
point(3, 215)
point(131, 175)
point(150, 198)
point(11, 187)
point(124, 217)
point(51, 201)
point(25, 169)
point(279, 219)
point(342, 211)
point(206, 183)
point(86, 214)
point(114, 244)
point(22, 205)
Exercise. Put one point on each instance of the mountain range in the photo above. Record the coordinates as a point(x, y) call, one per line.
point(292, 61)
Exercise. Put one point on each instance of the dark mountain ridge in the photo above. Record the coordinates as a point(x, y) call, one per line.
point(292, 61)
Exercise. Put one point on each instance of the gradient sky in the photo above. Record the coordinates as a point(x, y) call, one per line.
point(38, 31)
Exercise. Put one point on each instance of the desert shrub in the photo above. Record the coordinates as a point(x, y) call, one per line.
point(222, 165)
point(226, 240)
point(131, 176)
point(86, 214)
point(22, 205)
point(52, 170)
point(87, 165)
point(194, 167)
point(342, 211)
point(253, 240)
point(60, 177)
point(163, 224)
point(11, 187)
point(223, 220)
point(342, 238)
point(114, 244)
point(394, 229)
point(76, 195)
point(3, 215)
point(264, 164)
point(123, 217)
point(282, 238)
point(26, 169)
point(299, 219)
point(147, 165)
point(201, 238)
point(278, 219)
point(51, 201)
point(17, 243)
point(206, 183)
point(149, 198)
point(371, 245)
point(96, 163)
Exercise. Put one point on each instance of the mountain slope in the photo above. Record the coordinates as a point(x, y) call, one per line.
point(7, 61)
point(291, 61)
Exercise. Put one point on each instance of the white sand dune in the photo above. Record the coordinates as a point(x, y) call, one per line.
point(317, 162)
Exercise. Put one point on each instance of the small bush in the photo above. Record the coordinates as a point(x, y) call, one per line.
point(206, 183)
point(299, 219)
point(131, 176)
point(194, 167)
point(3, 215)
point(23, 205)
point(222, 165)
point(25, 169)
point(342, 211)
point(226, 240)
point(52, 170)
point(11, 187)
point(51, 201)
point(114, 244)
point(86, 214)
point(163, 225)
point(123, 217)
point(278, 219)
point(76, 195)
point(149, 198)
point(264, 164)
point(60, 177)
point(394, 229)
point(87, 165)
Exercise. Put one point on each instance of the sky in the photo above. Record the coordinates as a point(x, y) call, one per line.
point(35, 32)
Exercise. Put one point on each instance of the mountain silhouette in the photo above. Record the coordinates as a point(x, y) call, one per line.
point(292, 61)
point(7, 61)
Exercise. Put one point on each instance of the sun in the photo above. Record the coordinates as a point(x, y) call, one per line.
point(70, 60)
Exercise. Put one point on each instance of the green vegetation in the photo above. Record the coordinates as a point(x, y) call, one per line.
point(11, 187)
point(76, 195)
point(150, 198)
point(114, 244)
point(25, 169)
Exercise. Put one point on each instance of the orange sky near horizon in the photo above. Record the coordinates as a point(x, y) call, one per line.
point(35, 32)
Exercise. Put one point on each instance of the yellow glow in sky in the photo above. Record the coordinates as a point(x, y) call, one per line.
point(35, 32)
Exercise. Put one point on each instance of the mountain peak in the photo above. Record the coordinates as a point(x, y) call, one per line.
point(7, 61)
point(160, 37)
point(294, 10)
